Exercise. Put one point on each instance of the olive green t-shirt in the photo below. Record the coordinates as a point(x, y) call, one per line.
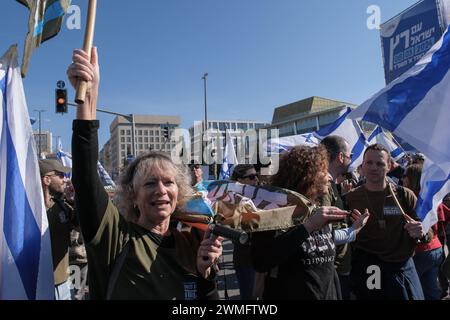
point(384, 234)
point(343, 260)
point(151, 270)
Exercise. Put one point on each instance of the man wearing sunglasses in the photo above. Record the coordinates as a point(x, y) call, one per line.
point(246, 275)
point(60, 220)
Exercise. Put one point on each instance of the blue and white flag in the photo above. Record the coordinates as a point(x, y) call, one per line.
point(283, 144)
point(26, 267)
point(229, 158)
point(343, 127)
point(416, 107)
point(104, 176)
point(66, 159)
point(435, 184)
point(349, 130)
point(380, 137)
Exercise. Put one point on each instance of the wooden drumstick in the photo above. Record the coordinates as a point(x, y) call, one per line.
point(88, 40)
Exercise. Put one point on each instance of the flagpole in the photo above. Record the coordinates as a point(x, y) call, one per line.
point(88, 39)
point(395, 140)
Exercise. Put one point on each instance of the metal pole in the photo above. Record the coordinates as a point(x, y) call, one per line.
point(206, 108)
point(133, 127)
point(205, 126)
point(129, 117)
point(40, 138)
point(167, 139)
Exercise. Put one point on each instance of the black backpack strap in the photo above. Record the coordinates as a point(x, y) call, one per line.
point(118, 264)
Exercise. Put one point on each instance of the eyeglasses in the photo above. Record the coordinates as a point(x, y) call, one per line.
point(57, 174)
point(250, 176)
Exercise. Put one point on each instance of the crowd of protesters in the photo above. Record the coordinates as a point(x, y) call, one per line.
point(363, 240)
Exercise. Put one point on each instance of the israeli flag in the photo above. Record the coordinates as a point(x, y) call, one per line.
point(26, 267)
point(416, 107)
point(104, 176)
point(435, 184)
point(346, 128)
point(349, 130)
point(229, 158)
point(380, 137)
point(66, 159)
point(280, 145)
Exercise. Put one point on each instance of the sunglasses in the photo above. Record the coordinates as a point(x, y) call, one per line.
point(250, 176)
point(57, 174)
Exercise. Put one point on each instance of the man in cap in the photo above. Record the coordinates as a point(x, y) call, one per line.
point(60, 220)
point(197, 177)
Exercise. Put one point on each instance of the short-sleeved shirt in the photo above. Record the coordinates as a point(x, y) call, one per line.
point(151, 269)
point(384, 234)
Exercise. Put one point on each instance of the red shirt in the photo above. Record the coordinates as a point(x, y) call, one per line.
point(443, 214)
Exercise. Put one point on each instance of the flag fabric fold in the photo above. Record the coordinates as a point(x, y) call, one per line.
point(46, 17)
point(26, 267)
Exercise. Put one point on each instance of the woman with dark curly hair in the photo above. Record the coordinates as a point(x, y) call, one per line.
point(300, 261)
point(135, 254)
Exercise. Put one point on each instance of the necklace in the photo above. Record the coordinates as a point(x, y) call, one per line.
point(380, 220)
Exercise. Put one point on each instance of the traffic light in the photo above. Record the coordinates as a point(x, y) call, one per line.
point(166, 133)
point(61, 100)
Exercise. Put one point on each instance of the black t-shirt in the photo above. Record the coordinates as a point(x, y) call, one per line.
point(305, 268)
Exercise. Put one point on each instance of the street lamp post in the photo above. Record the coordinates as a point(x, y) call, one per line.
point(133, 139)
point(40, 138)
point(205, 127)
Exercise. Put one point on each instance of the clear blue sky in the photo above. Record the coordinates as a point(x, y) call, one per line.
point(260, 54)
